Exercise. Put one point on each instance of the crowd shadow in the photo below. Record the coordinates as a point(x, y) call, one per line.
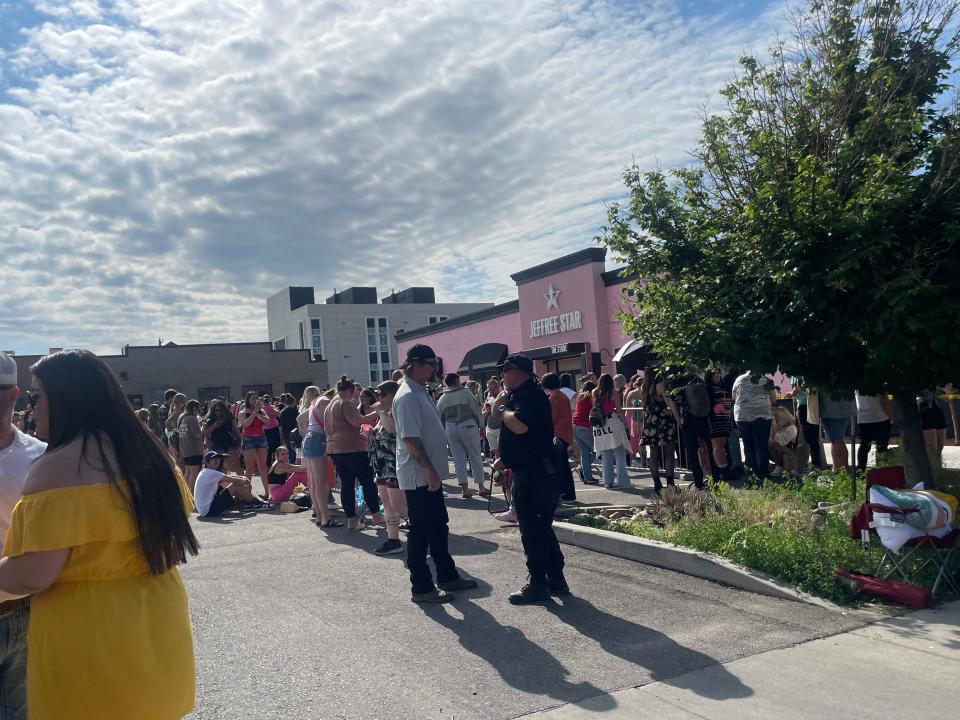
point(521, 663)
point(667, 660)
point(370, 539)
point(229, 517)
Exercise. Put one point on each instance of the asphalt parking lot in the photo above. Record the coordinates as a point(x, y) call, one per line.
point(294, 621)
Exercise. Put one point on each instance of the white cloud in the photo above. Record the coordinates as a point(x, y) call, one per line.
point(167, 164)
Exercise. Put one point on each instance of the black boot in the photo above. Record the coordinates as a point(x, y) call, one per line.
point(534, 591)
point(557, 584)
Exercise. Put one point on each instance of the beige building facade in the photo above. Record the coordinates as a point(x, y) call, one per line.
point(204, 371)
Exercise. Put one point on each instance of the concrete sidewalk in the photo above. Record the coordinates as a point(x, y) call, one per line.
point(889, 669)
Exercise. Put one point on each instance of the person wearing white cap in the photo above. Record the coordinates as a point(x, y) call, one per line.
point(18, 451)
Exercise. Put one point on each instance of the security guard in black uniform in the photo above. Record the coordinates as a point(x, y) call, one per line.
point(526, 447)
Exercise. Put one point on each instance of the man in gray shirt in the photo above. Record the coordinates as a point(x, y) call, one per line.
point(421, 466)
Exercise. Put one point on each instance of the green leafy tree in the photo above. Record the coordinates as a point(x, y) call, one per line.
point(817, 229)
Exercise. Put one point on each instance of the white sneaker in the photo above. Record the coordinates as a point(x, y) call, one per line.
point(506, 517)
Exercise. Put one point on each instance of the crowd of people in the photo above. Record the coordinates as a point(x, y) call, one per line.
point(95, 497)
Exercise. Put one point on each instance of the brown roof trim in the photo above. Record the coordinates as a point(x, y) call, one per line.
point(589, 255)
point(618, 276)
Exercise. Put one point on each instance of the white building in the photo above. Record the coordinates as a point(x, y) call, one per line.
point(352, 331)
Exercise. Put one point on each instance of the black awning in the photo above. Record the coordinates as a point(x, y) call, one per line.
point(483, 357)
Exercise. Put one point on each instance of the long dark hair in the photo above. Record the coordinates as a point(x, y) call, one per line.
point(648, 389)
point(604, 388)
point(85, 400)
point(586, 390)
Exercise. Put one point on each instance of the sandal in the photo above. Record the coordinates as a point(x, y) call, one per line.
point(330, 523)
point(484, 492)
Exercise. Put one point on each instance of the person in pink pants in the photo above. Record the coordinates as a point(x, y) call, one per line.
point(285, 476)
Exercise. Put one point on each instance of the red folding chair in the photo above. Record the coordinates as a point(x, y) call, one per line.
point(916, 554)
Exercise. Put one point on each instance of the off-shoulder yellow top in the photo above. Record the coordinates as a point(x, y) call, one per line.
point(106, 639)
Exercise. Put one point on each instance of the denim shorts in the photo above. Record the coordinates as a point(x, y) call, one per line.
point(834, 429)
point(253, 442)
point(314, 445)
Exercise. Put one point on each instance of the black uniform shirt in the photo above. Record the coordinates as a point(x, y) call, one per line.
point(532, 407)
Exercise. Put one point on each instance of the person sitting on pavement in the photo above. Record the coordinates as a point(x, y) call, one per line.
point(216, 492)
point(284, 476)
point(462, 419)
point(421, 466)
point(526, 447)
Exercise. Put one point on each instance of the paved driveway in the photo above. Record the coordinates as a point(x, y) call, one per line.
point(292, 621)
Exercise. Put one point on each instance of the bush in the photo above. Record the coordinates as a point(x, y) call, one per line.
point(768, 527)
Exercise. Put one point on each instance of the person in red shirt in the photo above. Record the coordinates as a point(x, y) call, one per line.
point(583, 433)
point(562, 434)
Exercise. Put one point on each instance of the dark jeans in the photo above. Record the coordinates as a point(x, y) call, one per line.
point(692, 431)
point(352, 468)
point(877, 433)
point(274, 440)
point(534, 501)
point(564, 475)
point(756, 435)
point(13, 665)
point(428, 531)
point(811, 433)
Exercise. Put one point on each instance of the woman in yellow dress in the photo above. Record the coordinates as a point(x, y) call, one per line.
point(95, 539)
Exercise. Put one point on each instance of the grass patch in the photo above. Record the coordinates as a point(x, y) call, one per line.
point(796, 531)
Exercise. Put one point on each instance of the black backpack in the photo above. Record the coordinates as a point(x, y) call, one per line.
point(697, 399)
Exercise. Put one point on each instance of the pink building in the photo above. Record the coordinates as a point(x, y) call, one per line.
point(563, 319)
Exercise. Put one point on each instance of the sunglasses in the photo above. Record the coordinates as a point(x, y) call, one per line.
point(432, 362)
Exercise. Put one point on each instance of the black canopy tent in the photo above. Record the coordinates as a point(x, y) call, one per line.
point(482, 361)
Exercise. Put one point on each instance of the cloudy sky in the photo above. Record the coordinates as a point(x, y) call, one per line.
point(167, 164)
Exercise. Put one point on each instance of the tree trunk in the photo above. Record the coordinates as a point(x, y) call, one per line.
point(916, 461)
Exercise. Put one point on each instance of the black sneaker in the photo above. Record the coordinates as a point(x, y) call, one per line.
point(529, 594)
point(389, 547)
point(558, 586)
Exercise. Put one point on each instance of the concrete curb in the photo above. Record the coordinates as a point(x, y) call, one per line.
point(684, 560)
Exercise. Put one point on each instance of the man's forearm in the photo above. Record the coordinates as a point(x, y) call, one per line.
point(511, 421)
point(415, 447)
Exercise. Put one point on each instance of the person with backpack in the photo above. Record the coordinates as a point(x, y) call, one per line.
point(612, 444)
point(695, 408)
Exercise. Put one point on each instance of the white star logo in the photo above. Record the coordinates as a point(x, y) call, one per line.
point(551, 296)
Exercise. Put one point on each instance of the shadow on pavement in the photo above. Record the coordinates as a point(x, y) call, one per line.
point(227, 518)
point(521, 663)
point(640, 645)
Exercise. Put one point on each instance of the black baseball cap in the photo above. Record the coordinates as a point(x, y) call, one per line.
point(520, 362)
point(420, 353)
point(213, 455)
